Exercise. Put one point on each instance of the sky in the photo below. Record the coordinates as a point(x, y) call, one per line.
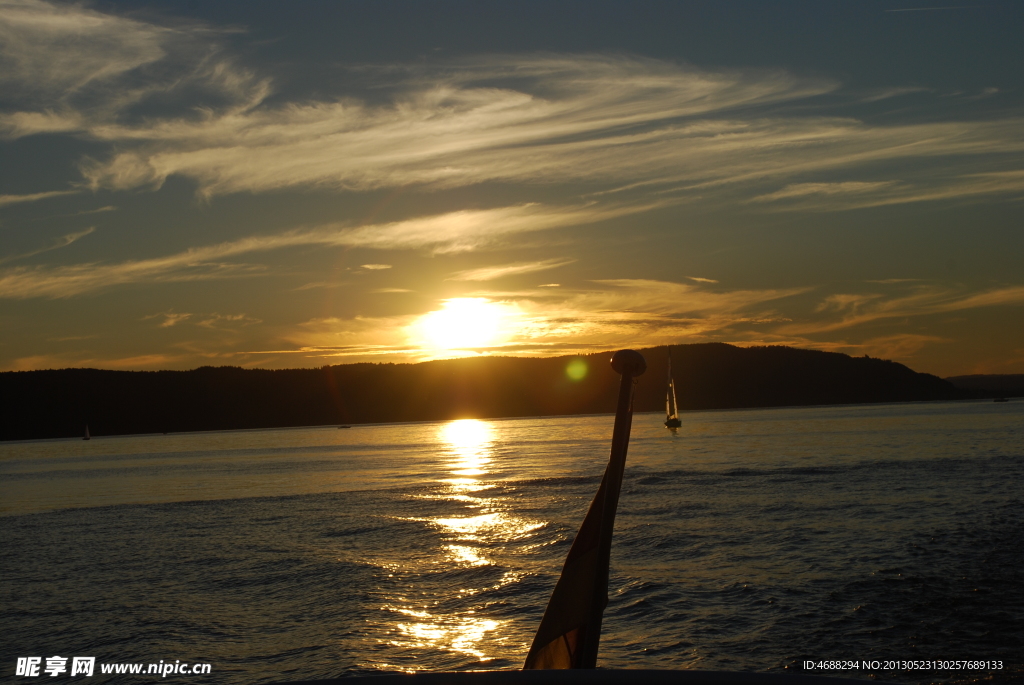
point(299, 184)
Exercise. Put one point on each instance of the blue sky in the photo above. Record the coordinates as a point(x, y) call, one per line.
point(307, 183)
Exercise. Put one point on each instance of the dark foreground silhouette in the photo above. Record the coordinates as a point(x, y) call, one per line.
point(59, 403)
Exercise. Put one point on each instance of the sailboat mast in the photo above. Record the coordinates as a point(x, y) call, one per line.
point(670, 392)
point(668, 388)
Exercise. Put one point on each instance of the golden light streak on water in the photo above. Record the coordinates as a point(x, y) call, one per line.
point(458, 633)
point(463, 554)
point(466, 460)
point(470, 442)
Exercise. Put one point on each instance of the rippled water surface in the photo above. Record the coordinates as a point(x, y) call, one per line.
point(748, 540)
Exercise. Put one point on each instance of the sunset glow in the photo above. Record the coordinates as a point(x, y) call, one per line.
point(201, 184)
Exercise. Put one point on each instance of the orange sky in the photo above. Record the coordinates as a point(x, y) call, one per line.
point(255, 188)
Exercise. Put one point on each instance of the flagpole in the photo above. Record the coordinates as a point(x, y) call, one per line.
point(630, 364)
point(570, 631)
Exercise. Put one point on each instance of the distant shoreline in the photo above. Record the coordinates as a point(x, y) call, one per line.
point(331, 426)
point(711, 376)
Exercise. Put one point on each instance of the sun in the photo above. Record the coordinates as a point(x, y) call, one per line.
point(461, 323)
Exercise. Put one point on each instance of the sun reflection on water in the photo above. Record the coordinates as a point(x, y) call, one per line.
point(459, 633)
point(475, 528)
point(470, 442)
point(466, 555)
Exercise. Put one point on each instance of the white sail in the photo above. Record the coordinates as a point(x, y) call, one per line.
point(670, 400)
point(671, 405)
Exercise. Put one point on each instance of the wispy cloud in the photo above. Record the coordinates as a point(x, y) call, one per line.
point(320, 284)
point(65, 361)
point(33, 197)
point(213, 321)
point(802, 190)
point(375, 267)
point(67, 281)
point(887, 93)
point(900, 345)
point(226, 321)
point(426, 142)
point(69, 68)
point(98, 210)
point(849, 310)
point(616, 122)
point(444, 233)
point(489, 273)
point(60, 242)
point(859, 194)
point(643, 298)
point(51, 49)
point(467, 229)
point(447, 127)
point(170, 318)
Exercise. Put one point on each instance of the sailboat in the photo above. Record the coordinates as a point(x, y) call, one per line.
point(671, 406)
point(87, 437)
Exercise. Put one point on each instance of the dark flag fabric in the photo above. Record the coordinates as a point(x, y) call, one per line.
point(561, 639)
point(570, 630)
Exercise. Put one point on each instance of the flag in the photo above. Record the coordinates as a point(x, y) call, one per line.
point(570, 631)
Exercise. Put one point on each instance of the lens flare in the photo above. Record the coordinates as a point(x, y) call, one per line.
point(576, 369)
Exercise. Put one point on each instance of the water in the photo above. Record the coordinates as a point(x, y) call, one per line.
point(748, 540)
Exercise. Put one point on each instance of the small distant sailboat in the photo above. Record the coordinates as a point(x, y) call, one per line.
point(671, 406)
point(87, 436)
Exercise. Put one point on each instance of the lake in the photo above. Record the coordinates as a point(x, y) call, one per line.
point(747, 540)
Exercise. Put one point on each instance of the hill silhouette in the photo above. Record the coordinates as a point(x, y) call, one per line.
point(59, 403)
point(991, 385)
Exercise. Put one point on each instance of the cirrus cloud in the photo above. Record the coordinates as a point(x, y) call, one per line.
point(458, 231)
point(615, 123)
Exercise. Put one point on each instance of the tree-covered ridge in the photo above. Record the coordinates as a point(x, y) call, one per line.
point(59, 403)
